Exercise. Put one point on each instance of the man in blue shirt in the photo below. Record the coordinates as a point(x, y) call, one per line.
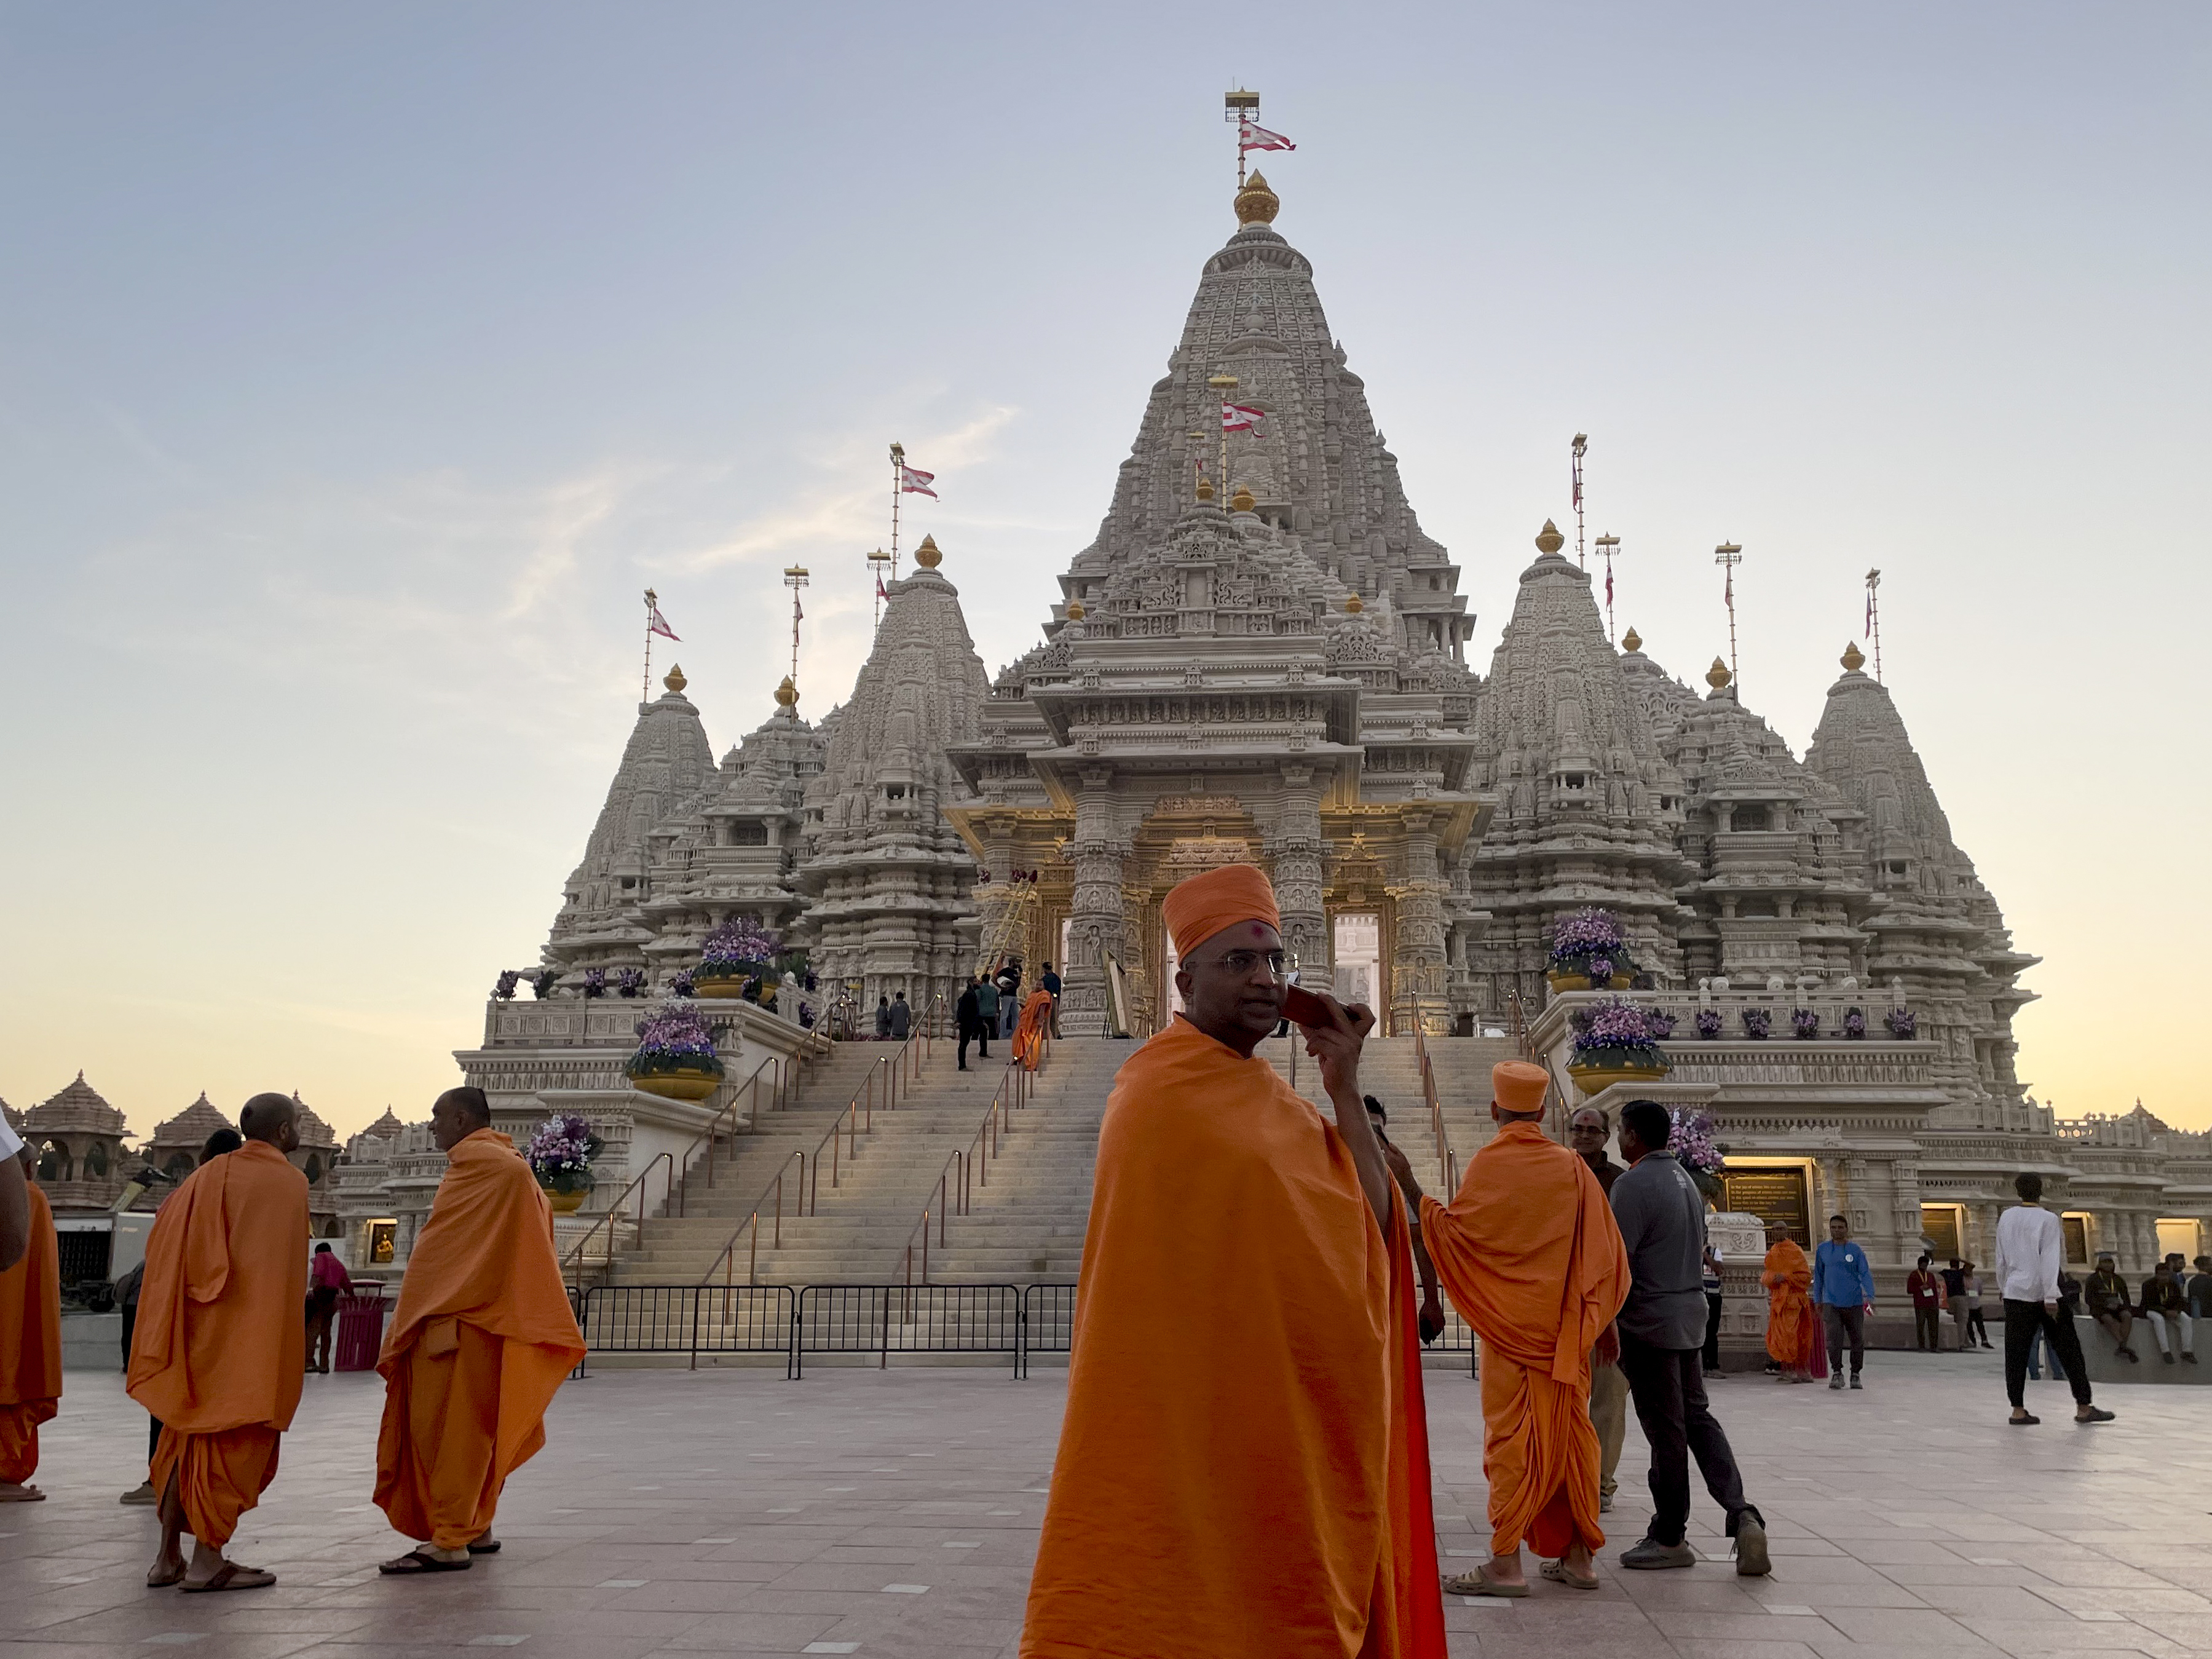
point(1843, 1290)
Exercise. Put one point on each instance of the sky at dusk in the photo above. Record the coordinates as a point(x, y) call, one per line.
point(359, 366)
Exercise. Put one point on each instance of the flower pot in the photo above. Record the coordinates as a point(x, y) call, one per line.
point(730, 986)
point(1606, 1066)
point(568, 1203)
point(1562, 980)
point(678, 1085)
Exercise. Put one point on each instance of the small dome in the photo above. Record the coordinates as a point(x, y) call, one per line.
point(787, 694)
point(1718, 676)
point(1854, 659)
point(927, 555)
point(1204, 487)
point(1354, 604)
point(674, 680)
point(1242, 501)
point(1255, 203)
point(1631, 640)
point(1549, 539)
point(1076, 612)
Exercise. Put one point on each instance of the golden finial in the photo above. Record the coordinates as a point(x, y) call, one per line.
point(1076, 612)
point(1242, 501)
point(787, 695)
point(1717, 676)
point(1204, 487)
point(1549, 539)
point(1854, 659)
point(673, 679)
point(1631, 640)
point(1354, 604)
point(927, 555)
point(1255, 203)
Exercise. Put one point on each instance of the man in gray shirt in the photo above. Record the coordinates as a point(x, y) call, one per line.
point(1662, 1332)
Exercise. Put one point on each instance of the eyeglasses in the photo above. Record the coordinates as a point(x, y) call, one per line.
point(1239, 964)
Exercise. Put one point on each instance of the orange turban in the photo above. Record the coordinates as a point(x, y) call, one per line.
point(1517, 1086)
point(1196, 909)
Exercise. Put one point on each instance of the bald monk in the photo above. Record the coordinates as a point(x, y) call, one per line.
point(1789, 1325)
point(481, 1339)
point(1531, 1257)
point(221, 1346)
point(30, 1345)
point(1243, 1467)
point(1030, 1030)
point(14, 1199)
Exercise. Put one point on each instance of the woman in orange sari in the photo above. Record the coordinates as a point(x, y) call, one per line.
point(1030, 1031)
point(1788, 1280)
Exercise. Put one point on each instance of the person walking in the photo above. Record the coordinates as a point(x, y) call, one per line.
point(1588, 1131)
point(1710, 1281)
point(1975, 1324)
point(2106, 1294)
point(883, 1018)
point(327, 1280)
point(2030, 1253)
point(987, 1016)
point(1661, 1326)
point(1843, 1294)
point(2200, 1289)
point(1791, 1324)
point(1009, 982)
point(2164, 1307)
point(1050, 982)
point(1954, 1299)
point(969, 1023)
point(1926, 1291)
point(902, 1018)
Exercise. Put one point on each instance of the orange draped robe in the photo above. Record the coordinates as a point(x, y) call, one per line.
point(482, 1339)
point(1531, 1255)
point(1243, 1468)
point(1029, 1029)
point(1788, 1280)
point(30, 1345)
point(222, 1341)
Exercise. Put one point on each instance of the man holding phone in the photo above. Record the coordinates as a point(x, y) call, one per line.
point(1244, 1343)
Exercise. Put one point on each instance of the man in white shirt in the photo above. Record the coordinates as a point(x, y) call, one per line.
point(15, 1199)
point(2030, 1252)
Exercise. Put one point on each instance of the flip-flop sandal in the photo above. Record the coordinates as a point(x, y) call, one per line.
point(231, 1576)
point(1480, 1582)
point(1558, 1573)
point(176, 1578)
point(425, 1562)
point(485, 1546)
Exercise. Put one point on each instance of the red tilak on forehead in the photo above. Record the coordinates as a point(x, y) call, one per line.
point(1259, 930)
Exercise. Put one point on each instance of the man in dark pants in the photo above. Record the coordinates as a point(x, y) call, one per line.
point(1661, 1325)
point(1712, 1357)
point(1927, 1294)
point(1843, 1295)
point(2029, 1254)
point(966, 1016)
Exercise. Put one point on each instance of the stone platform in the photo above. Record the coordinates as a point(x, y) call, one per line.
point(896, 1513)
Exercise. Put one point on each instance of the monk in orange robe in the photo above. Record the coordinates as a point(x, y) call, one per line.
point(1243, 1467)
point(222, 1341)
point(1788, 1280)
point(482, 1339)
point(30, 1347)
point(1030, 1030)
point(1531, 1255)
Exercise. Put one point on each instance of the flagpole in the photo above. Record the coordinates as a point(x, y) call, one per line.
point(1728, 555)
point(1222, 385)
point(794, 578)
point(1581, 443)
point(877, 561)
point(644, 686)
point(1238, 108)
point(1608, 545)
point(1873, 619)
point(899, 460)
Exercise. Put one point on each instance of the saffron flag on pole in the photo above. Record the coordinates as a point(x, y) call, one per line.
point(1251, 136)
point(880, 586)
point(657, 623)
point(1235, 417)
point(914, 482)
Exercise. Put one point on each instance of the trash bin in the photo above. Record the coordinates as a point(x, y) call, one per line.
point(360, 1330)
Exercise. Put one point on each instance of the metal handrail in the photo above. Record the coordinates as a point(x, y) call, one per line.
point(1447, 1160)
point(974, 1161)
point(575, 1257)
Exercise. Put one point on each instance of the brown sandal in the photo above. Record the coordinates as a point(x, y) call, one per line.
point(231, 1576)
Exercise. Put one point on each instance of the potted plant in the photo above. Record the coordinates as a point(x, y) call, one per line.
point(1709, 1023)
point(543, 981)
point(738, 951)
point(595, 981)
point(1586, 953)
point(1614, 1043)
point(631, 981)
point(1804, 1024)
point(1704, 1158)
point(675, 1057)
point(1903, 1023)
point(1757, 1023)
point(681, 985)
point(561, 1152)
point(1855, 1025)
point(503, 987)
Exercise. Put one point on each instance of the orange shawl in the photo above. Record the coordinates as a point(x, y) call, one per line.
point(1242, 1469)
point(1531, 1255)
point(1788, 1280)
point(485, 1259)
point(222, 1338)
point(31, 1318)
point(1028, 1031)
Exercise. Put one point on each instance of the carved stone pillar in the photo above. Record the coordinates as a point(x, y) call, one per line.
point(1417, 952)
point(1296, 848)
point(1094, 922)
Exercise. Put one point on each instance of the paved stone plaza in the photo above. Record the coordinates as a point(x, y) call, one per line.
point(896, 1513)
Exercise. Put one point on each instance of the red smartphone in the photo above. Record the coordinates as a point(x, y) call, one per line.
point(1303, 1007)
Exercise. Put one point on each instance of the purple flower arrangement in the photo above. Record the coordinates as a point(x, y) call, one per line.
point(1587, 942)
point(631, 981)
point(561, 1151)
point(1804, 1024)
point(1855, 1025)
point(1903, 1023)
point(738, 949)
point(1757, 1023)
point(1692, 1142)
point(1617, 1034)
point(1662, 1025)
point(681, 985)
point(541, 983)
point(675, 1037)
point(595, 981)
point(1709, 1023)
point(503, 986)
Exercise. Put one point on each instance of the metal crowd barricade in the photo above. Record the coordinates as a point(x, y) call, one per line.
point(689, 1319)
point(1048, 1321)
point(887, 1319)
